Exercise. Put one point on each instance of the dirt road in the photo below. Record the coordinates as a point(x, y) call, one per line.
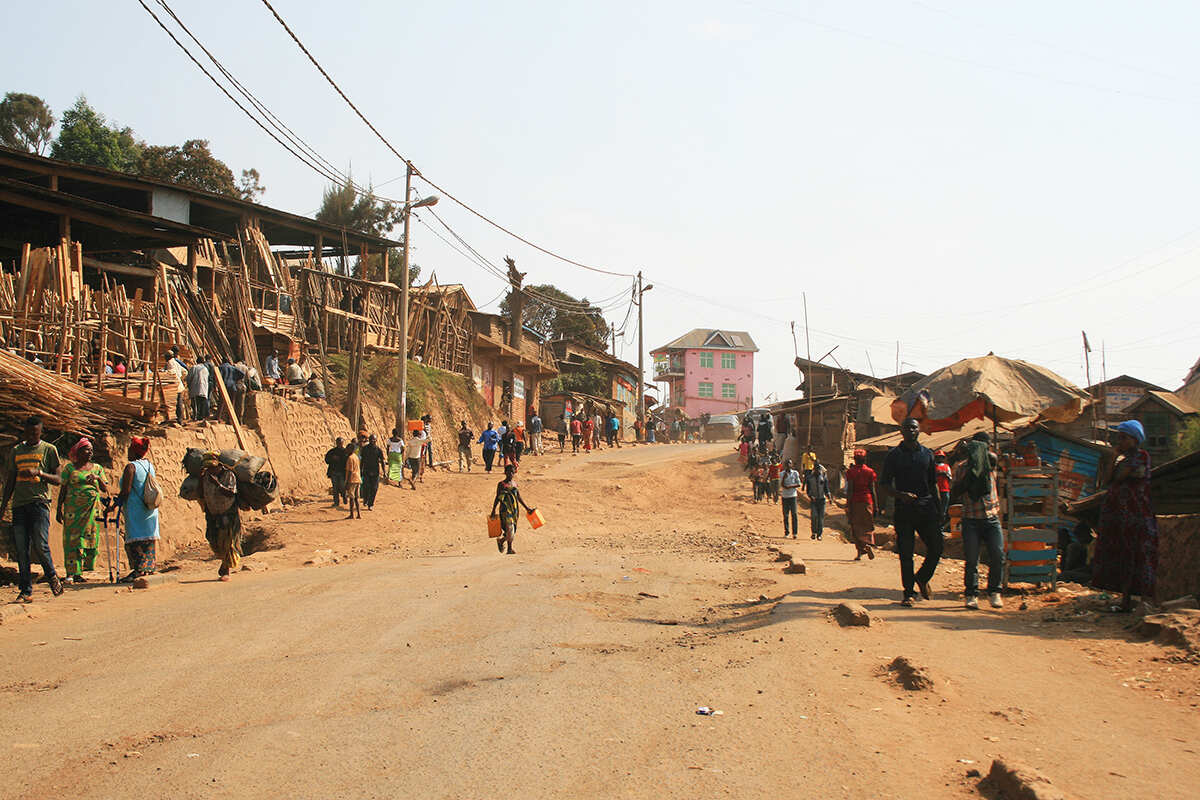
point(424, 664)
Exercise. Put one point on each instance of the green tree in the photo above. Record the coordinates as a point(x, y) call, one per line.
point(590, 378)
point(190, 164)
point(1189, 439)
point(25, 122)
point(344, 206)
point(249, 186)
point(193, 164)
point(86, 138)
point(372, 269)
point(586, 326)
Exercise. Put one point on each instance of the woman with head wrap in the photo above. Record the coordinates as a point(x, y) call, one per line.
point(862, 506)
point(78, 502)
point(223, 523)
point(1126, 554)
point(141, 523)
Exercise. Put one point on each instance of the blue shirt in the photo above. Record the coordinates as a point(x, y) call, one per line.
point(490, 439)
point(230, 375)
point(141, 523)
point(272, 368)
point(535, 424)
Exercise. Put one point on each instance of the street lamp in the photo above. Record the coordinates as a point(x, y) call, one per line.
point(406, 212)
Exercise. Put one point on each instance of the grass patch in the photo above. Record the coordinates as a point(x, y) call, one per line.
point(429, 389)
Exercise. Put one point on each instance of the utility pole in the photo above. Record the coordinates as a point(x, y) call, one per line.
point(641, 390)
point(1087, 366)
point(402, 381)
point(808, 383)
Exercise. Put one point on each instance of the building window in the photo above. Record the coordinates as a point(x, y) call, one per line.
point(706, 387)
point(728, 360)
point(728, 391)
point(706, 360)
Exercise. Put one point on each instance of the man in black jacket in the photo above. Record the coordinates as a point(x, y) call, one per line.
point(909, 474)
point(336, 459)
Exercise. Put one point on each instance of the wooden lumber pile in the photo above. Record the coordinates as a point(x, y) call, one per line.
point(26, 389)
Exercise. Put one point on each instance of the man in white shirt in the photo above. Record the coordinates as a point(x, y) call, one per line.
point(789, 482)
point(177, 368)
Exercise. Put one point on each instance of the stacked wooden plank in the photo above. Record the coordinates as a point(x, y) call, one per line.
point(26, 389)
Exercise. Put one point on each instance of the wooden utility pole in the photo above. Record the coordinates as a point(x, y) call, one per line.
point(641, 390)
point(402, 351)
point(808, 382)
point(1087, 371)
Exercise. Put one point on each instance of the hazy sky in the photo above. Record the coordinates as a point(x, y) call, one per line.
point(956, 176)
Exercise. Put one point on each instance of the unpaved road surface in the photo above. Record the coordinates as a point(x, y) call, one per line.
point(424, 664)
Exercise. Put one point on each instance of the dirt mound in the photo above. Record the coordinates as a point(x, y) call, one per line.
point(1179, 628)
point(912, 677)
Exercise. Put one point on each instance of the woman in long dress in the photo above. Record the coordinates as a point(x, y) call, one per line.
point(141, 523)
point(1126, 554)
point(78, 507)
point(395, 458)
point(862, 504)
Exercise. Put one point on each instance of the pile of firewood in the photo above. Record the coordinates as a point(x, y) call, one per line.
point(27, 388)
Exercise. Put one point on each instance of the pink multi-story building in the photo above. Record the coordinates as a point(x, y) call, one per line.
point(707, 370)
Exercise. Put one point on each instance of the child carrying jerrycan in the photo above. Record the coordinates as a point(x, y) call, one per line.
point(508, 497)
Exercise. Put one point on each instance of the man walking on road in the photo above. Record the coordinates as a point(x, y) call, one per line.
point(535, 434)
point(789, 482)
point(465, 437)
point(976, 469)
point(373, 465)
point(426, 426)
point(30, 469)
point(335, 458)
point(816, 486)
point(909, 474)
point(576, 434)
point(490, 440)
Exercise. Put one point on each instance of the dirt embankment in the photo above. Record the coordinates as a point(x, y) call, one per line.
point(295, 436)
point(446, 396)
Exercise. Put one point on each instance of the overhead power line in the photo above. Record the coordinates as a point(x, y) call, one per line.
point(235, 101)
point(311, 158)
point(416, 171)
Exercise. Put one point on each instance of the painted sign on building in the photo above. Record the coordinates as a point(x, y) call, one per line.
point(518, 387)
point(1119, 398)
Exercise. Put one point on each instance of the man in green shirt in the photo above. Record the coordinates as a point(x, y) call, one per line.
point(30, 469)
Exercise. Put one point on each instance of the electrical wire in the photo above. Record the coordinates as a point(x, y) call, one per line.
point(267, 114)
point(566, 305)
point(410, 165)
point(235, 101)
point(311, 158)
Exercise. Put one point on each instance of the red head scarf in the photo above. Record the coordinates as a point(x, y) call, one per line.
point(138, 445)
